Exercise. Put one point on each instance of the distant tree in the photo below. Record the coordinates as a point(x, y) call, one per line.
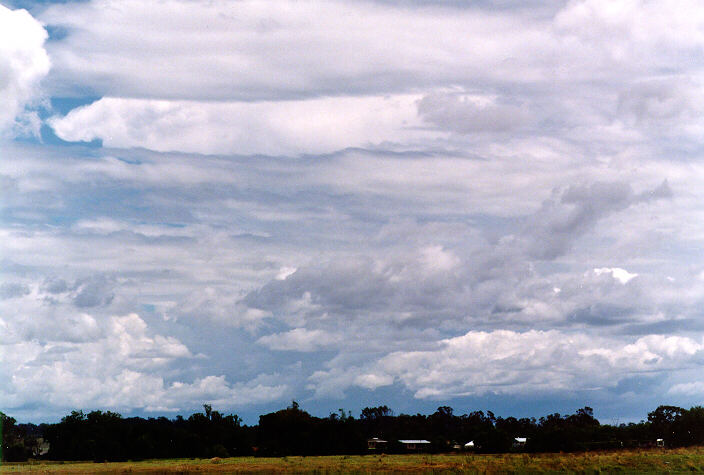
point(584, 417)
point(374, 413)
point(691, 426)
point(663, 422)
point(286, 432)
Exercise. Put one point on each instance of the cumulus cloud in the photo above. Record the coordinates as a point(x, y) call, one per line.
point(54, 354)
point(23, 64)
point(508, 362)
point(117, 364)
point(219, 392)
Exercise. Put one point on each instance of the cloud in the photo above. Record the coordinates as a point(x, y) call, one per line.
point(216, 390)
point(23, 64)
point(365, 192)
point(93, 292)
point(572, 211)
point(622, 275)
point(476, 280)
point(299, 339)
point(661, 101)
point(322, 48)
point(300, 49)
point(12, 290)
point(506, 362)
point(118, 366)
point(465, 115)
point(274, 128)
point(694, 388)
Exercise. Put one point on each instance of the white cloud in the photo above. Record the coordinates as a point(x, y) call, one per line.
point(437, 259)
point(622, 275)
point(275, 128)
point(373, 381)
point(284, 272)
point(246, 49)
point(521, 363)
point(23, 64)
point(118, 364)
point(694, 388)
point(217, 391)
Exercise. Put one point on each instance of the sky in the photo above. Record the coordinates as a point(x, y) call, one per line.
point(491, 204)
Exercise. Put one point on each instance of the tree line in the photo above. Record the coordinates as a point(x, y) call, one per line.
point(108, 436)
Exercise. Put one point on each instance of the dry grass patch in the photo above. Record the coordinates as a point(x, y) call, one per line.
point(631, 461)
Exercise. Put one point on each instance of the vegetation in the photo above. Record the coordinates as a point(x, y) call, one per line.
point(633, 461)
point(107, 436)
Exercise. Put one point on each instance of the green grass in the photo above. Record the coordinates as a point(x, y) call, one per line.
point(631, 461)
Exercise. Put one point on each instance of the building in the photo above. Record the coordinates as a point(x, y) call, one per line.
point(519, 442)
point(469, 445)
point(376, 444)
point(415, 444)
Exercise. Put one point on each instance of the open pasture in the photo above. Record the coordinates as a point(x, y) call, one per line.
point(629, 461)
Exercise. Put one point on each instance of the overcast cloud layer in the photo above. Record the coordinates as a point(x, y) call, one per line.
point(490, 205)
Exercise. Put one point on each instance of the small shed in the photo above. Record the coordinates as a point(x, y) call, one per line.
point(376, 443)
point(469, 445)
point(520, 442)
point(415, 444)
point(660, 442)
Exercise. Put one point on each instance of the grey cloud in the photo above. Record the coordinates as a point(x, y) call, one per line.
point(56, 286)
point(598, 314)
point(662, 191)
point(393, 291)
point(93, 291)
point(12, 289)
point(462, 115)
point(8, 186)
point(653, 102)
point(571, 212)
point(482, 282)
point(641, 384)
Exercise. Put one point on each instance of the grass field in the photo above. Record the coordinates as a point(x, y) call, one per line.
point(631, 461)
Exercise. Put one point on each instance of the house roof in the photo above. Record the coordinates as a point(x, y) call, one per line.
point(414, 441)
